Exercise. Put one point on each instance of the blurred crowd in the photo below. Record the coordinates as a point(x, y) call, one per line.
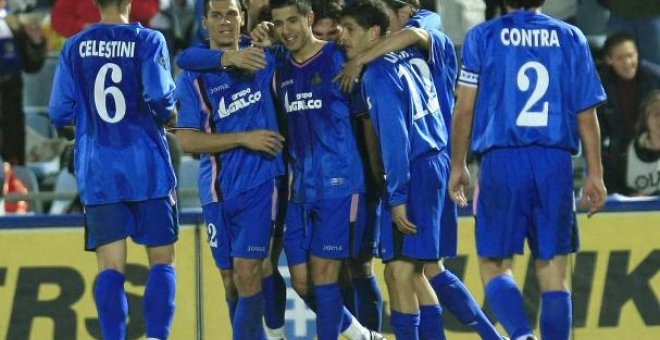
point(624, 36)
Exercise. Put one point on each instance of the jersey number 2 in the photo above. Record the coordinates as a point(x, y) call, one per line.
point(526, 117)
point(101, 92)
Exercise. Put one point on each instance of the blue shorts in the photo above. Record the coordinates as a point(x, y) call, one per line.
point(151, 223)
point(526, 193)
point(240, 227)
point(427, 200)
point(321, 228)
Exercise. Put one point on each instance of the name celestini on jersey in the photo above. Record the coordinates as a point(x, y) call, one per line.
point(107, 49)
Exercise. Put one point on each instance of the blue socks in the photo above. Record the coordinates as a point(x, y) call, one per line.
point(231, 307)
point(329, 311)
point(506, 301)
point(247, 318)
point(369, 302)
point(159, 296)
point(455, 296)
point(346, 317)
point(431, 324)
point(556, 315)
point(112, 304)
point(405, 326)
point(274, 300)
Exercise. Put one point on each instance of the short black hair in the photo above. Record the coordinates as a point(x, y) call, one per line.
point(398, 4)
point(524, 3)
point(615, 40)
point(330, 9)
point(368, 13)
point(207, 6)
point(107, 3)
point(302, 6)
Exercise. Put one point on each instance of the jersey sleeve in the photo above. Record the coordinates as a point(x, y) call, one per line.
point(442, 56)
point(425, 19)
point(471, 57)
point(157, 79)
point(62, 99)
point(384, 96)
point(200, 58)
point(190, 104)
point(588, 91)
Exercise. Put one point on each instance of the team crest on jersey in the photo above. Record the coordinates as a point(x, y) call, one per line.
point(316, 78)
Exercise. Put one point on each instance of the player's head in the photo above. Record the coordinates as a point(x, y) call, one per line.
point(523, 4)
point(400, 11)
point(650, 119)
point(620, 53)
point(121, 5)
point(293, 22)
point(223, 20)
point(364, 22)
point(326, 19)
point(257, 11)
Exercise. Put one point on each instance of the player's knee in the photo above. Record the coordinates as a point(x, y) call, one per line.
point(361, 268)
point(227, 275)
point(247, 272)
point(161, 255)
point(267, 268)
point(491, 268)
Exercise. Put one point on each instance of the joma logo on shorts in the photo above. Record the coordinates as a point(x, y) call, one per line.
point(256, 249)
point(332, 248)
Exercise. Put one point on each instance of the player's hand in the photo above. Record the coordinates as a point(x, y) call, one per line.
point(349, 75)
point(400, 219)
point(594, 194)
point(267, 141)
point(249, 59)
point(459, 181)
point(262, 34)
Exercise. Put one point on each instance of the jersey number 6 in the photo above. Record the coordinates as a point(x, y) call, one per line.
point(101, 92)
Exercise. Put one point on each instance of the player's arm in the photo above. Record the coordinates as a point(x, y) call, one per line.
point(201, 58)
point(594, 192)
point(460, 142)
point(63, 94)
point(400, 40)
point(389, 120)
point(156, 77)
point(387, 106)
point(266, 141)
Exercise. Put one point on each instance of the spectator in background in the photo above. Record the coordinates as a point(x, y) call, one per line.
point(643, 166)
point(627, 81)
point(326, 19)
point(69, 17)
point(13, 185)
point(640, 18)
point(22, 48)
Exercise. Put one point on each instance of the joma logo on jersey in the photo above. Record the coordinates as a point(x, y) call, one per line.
point(241, 100)
point(304, 101)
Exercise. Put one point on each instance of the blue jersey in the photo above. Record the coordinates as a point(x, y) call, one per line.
point(405, 111)
point(425, 19)
point(226, 102)
point(535, 74)
point(321, 137)
point(114, 83)
point(200, 57)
